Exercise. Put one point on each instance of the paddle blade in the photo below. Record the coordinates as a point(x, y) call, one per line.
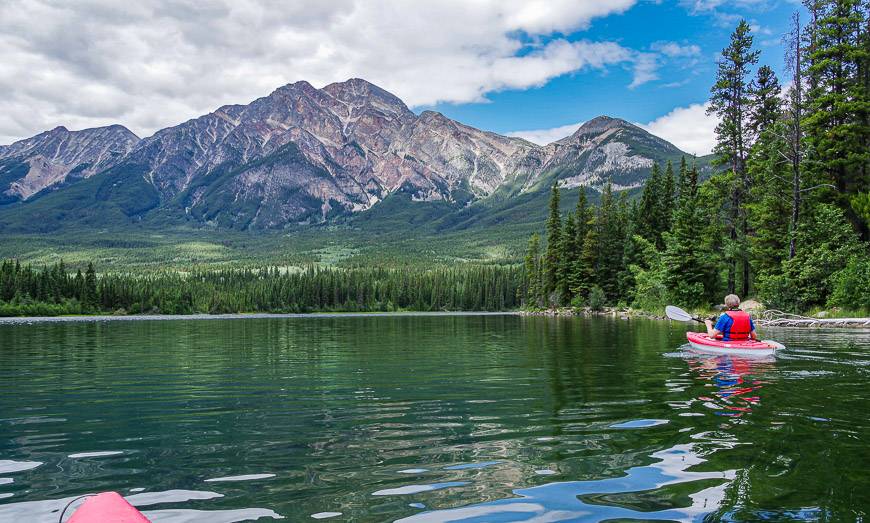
point(774, 344)
point(677, 314)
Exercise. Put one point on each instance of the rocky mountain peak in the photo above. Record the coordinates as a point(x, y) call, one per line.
point(48, 159)
point(358, 93)
point(357, 88)
point(61, 142)
point(599, 125)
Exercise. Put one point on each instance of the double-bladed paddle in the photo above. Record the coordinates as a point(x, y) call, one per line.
point(678, 314)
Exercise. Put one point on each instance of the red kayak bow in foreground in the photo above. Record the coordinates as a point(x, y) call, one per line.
point(108, 507)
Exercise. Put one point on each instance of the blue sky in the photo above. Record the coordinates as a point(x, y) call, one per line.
point(682, 80)
point(530, 68)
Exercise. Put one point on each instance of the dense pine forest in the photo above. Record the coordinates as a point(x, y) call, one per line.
point(785, 218)
point(25, 290)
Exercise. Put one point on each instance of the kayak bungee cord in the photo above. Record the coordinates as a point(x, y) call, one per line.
point(62, 512)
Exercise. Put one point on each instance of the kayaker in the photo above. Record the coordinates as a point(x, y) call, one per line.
point(733, 324)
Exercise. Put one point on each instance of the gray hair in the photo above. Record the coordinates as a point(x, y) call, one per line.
point(732, 301)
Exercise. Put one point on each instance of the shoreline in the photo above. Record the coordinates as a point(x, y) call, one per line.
point(776, 323)
point(608, 312)
point(26, 320)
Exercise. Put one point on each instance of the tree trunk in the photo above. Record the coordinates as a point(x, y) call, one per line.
point(796, 136)
point(732, 269)
point(795, 206)
point(745, 259)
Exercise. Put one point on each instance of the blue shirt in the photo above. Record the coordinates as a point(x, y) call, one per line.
point(723, 325)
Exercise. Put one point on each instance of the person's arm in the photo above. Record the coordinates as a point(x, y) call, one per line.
point(718, 330)
point(752, 333)
point(712, 332)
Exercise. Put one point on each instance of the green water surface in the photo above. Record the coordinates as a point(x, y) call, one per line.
point(445, 418)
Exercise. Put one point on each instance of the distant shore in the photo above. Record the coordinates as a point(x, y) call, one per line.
point(18, 320)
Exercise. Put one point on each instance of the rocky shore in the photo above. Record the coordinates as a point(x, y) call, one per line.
point(623, 313)
point(763, 318)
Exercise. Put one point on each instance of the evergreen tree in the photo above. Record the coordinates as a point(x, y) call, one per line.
point(765, 101)
point(666, 203)
point(79, 286)
point(681, 179)
point(532, 272)
point(837, 123)
point(766, 206)
point(582, 273)
point(89, 295)
point(582, 216)
point(631, 251)
point(688, 273)
point(610, 244)
point(769, 209)
point(826, 245)
point(587, 264)
point(730, 102)
point(649, 208)
point(552, 263)
point(568, 258)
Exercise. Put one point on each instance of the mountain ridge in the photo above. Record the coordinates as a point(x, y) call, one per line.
point(305, 155)
point(53, 156)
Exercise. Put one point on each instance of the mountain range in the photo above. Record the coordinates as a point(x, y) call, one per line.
point(303, 155)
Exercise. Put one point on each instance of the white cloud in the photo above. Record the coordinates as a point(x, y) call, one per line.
point(700, 6)
point(675, 50)
point(545, 136)
point(155, 63)
point(689, 128)
point(727, 13)
point(646, 66)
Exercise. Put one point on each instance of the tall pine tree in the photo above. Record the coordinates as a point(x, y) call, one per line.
point(568, 258)
point(532, 272)
point(552, 261)
point(730, 102)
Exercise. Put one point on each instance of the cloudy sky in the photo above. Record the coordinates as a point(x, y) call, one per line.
point(531, 68)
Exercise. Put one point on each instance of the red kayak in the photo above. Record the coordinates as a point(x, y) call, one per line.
point(700, 341)
point(108, 507)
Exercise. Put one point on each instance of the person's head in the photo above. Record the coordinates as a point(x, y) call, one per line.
point(732, 301)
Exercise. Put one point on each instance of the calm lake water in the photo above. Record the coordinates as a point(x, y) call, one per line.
point(450, 418)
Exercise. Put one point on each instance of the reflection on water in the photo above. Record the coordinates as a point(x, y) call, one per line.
point(643, 492)
point(736, 382)
point(429, 419)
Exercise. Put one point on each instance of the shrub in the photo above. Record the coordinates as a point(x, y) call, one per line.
point(596, 299)
point(851, 285)
point(826, 243)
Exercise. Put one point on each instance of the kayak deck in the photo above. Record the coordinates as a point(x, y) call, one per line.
point(108, 507)
point(702, 342)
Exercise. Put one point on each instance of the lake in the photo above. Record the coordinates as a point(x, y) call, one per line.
point(430, 418)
